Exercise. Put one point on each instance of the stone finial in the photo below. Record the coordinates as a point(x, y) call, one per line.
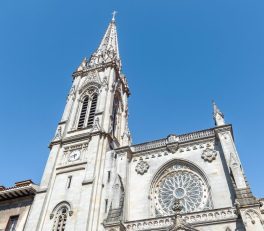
point(82, 65)
point(114, 14)
point(218, 115)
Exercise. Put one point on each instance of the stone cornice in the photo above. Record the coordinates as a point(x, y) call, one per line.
point(98, 67)
point(18, 191)
point(79, 137)
point(125, 149)
point(224, 128)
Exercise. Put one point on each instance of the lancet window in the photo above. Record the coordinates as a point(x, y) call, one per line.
point(92, 110)
point(88, 109)
point(83, 112)
point(115, 114)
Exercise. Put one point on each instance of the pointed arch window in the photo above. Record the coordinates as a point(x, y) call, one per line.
point(92, 110)
point(83, 112)
point(60, 219)
point(114, 114)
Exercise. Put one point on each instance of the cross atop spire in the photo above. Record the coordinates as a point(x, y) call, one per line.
point(218, 115)
point(114, 14)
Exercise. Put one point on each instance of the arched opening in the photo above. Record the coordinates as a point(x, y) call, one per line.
point(60, 219)
point(83, 112)
point(92, 110)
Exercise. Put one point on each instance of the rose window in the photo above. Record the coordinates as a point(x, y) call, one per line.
point(182, 183)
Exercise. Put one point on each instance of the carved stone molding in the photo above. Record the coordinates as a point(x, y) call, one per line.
point(58, 135)
point(142, 167)
point(209, 154)
point(96, 126)
point(215, 216)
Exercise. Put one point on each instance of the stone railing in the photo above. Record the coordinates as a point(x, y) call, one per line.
point(149, 145)
point(196, 135)
point(180, 139)
point(193, 218)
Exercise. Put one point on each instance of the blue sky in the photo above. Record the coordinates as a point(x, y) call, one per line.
point(177, 55)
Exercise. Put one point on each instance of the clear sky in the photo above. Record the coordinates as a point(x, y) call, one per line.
point(177, 55)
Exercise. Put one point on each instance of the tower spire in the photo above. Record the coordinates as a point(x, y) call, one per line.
point(218, 115)
point(108, 50)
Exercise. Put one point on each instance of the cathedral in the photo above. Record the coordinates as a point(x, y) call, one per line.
point(95, 179)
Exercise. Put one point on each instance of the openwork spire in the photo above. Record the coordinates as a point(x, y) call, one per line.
point(218, 115)
point(108, 49)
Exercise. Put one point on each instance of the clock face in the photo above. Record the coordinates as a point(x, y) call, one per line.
point(74, 155)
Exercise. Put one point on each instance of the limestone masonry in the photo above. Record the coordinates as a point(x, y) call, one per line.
point(95, 179)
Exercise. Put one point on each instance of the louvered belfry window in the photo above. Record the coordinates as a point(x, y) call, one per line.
point(92, 110)
point(83, 112)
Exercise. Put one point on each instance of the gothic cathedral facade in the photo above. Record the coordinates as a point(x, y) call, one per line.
point(95, 179)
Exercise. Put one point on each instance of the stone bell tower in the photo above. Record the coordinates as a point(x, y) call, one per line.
point(95, 121)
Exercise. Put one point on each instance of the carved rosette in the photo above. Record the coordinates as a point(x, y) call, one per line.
point(142, 167)
point(209, 155)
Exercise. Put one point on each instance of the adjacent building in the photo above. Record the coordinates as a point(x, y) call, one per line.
point(15, 203)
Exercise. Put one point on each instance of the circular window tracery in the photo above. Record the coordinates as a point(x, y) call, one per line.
point(181, 182)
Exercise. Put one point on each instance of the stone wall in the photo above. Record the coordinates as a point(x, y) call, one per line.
point(18, 206)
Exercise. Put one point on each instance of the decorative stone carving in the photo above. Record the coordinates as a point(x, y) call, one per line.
point(178, 222)
point(253, 219)
point(105, 83)
point(209, 154)
point(142, 167)
point(172, 138)
point(183, 182)
point(71, 93)
point(165, 222)
point(96, 126)
point(172, 148)
point(51, 216)
point(58, 134)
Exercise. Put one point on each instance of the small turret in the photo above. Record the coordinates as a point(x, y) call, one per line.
point(218, 115)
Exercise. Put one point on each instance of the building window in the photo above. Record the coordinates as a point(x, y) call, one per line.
point(92, 110)
point(69, 181)
point(60, 219)
point(108, 176)
point(114, 114)
point(83, 112)
point(11, 226)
